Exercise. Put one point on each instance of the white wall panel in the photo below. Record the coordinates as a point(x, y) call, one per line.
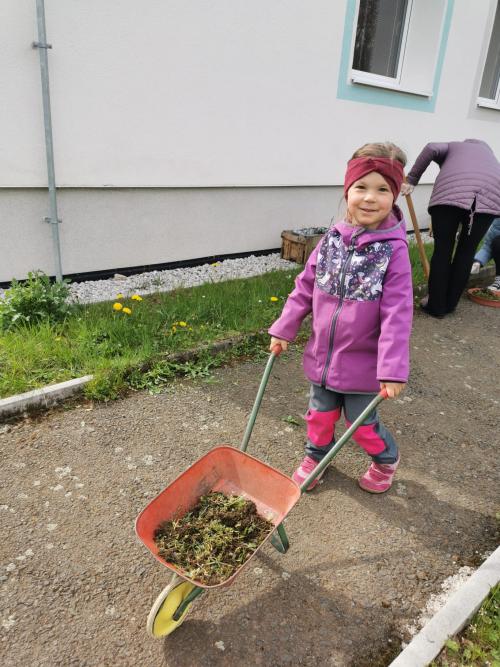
point(196, 93)
point(108, 229)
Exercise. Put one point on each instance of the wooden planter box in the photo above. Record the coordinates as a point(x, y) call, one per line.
point(297, 247)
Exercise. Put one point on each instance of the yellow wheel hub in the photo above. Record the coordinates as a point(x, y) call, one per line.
point(160, 620)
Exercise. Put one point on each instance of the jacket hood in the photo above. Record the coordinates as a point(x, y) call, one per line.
point(391, 229)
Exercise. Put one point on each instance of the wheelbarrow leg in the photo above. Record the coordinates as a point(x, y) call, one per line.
point(197, 590)
point(279, 539)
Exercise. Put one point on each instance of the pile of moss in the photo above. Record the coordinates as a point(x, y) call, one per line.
point(214, 539)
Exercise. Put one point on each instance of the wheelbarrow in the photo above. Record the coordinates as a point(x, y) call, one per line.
point(233, 472)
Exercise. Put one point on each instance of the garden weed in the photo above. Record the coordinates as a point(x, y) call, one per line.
point(479, 643)
point(35, 300)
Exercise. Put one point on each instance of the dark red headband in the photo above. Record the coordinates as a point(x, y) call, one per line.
point(391, 170)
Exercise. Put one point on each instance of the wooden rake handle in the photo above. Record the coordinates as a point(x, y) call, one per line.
point(416, 229)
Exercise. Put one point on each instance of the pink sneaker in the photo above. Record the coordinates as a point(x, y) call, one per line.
point(378, 478)
point(304, 470)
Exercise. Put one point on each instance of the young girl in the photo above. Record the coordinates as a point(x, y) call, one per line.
point(357, 285)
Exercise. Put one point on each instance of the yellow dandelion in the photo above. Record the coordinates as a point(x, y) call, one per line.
point(117, 306)
point(174, 328)
point(274, 298)
point(127, 310)
point(136, 297)
point(182, 324)
point(120, 296)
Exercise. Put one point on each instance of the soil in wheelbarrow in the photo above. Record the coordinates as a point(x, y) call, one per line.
point(214, 539)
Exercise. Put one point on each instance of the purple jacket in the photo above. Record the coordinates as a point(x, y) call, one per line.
point(468, 170)
point(357, 284)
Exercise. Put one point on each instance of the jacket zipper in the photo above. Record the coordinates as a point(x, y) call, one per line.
point(347, 263)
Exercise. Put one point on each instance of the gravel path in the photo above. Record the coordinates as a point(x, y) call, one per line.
point(76, 585)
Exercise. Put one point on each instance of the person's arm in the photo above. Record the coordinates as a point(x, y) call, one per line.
point(299, 302)
point(431, 153)
point(396, 314)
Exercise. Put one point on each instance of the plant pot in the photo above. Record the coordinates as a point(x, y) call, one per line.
point(484, 301)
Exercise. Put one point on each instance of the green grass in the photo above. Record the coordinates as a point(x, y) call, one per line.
point(479, 644)
point(130, 350)
point(418, 271)
point(95, 339)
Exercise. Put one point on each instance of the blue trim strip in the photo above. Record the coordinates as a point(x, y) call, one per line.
point(389, 98)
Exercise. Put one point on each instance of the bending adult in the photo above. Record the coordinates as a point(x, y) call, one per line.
point(466, 193)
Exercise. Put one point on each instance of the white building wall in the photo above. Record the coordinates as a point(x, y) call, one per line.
point(185, 129)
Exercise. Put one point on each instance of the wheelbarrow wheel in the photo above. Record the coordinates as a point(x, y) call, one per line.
point(160, 621)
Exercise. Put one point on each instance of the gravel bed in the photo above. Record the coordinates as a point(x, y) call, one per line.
point(92, 291)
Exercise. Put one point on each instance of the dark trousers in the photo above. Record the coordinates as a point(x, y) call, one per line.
point(449, 271)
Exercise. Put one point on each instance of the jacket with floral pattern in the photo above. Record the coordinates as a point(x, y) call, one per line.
point(357, 286)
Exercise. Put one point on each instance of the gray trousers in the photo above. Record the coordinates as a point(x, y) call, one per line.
point(325, 408)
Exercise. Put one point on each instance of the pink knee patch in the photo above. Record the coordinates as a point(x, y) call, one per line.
point(367, 437)
point(321, 426)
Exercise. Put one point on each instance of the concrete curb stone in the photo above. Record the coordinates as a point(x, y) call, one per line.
point(449, 620)
point(41, 398)
point(48, 396)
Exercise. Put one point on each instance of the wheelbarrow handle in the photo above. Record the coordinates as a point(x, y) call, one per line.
point(276, 351)
point(343, 439)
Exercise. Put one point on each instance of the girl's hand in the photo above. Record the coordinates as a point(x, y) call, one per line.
point(407, 189)
point(393, 388)
point(278, 341)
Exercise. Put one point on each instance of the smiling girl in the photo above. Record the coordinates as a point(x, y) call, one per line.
point(357, 285)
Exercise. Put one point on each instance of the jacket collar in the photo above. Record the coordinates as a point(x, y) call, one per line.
point(392, 228)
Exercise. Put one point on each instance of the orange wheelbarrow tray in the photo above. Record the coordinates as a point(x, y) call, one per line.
point(231, 472)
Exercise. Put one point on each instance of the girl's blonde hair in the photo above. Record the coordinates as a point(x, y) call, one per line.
point(382, 149)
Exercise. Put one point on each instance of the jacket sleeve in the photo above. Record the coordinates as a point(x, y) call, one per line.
point(299, 302)
point(430, 153)
point(396, 315)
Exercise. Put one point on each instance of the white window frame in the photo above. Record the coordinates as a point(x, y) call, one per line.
point(390, 83)
point(486, 102)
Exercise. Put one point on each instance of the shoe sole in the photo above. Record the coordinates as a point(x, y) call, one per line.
point(372, 490)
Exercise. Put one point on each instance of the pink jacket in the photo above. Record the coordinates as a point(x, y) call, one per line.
point(357, 285)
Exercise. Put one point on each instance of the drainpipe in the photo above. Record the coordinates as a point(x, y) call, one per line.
point(53, 219)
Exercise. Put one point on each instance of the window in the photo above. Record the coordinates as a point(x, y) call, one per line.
point(379, 35)
point(397, 43)
point(489, 91)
